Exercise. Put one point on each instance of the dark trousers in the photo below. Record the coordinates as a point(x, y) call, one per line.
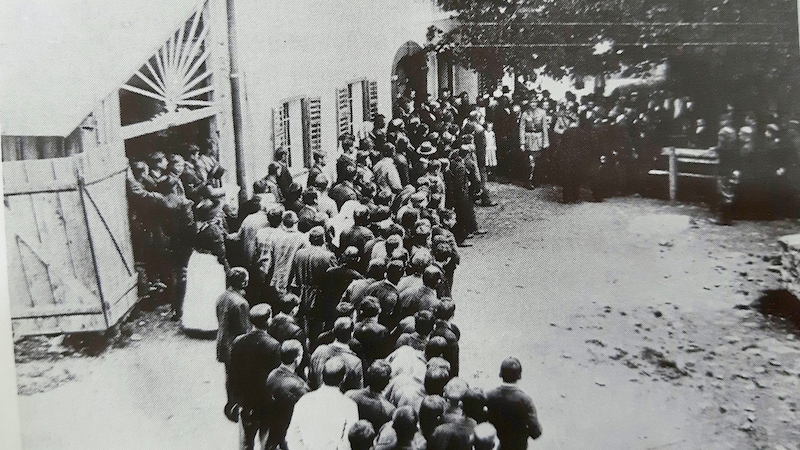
point(180, 267)
point(254, 423)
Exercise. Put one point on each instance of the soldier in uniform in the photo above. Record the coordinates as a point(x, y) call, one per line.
point(533, 135)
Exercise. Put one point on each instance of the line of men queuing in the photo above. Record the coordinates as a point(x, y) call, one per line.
point(360, 272)
point(363, 386)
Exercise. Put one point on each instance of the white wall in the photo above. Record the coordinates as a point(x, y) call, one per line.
point(312, 47)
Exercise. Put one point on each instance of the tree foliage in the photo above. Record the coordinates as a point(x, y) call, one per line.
point(746, 41)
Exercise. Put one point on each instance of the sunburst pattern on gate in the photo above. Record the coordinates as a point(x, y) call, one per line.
point(175, 74)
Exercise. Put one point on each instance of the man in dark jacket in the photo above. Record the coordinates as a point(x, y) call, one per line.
point(284, 177)
point(358, 235)
point(385, 292)
point(307, 278)
point(511, 410)
point(372, 406)
point(337, 279)
point(285, 388)
point(233, 315)
point(354, 376)
point(344, 189)
point(253, 356)
point(370, 334)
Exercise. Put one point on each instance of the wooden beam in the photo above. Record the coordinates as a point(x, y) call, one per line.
point(57, 311)
point(16, 188)
point(673, 174)
point(166, 121)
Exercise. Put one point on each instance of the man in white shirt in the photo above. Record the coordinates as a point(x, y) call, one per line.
point(323, 428)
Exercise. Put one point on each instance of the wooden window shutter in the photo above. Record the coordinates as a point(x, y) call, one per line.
point(343, 119)
point(280, 127)
point(371, 93)
point(312, 125)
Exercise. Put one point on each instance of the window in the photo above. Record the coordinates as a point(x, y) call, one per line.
point(356, 106)
point(297, 128)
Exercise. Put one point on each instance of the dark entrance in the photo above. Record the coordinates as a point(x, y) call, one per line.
point(409, 73)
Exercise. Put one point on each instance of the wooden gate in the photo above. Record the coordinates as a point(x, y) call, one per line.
point(70, 262)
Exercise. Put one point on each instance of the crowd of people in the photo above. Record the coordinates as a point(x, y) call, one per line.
point(338, 292)
point(610, 143)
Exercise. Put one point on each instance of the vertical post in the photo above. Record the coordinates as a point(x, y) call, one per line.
point(673, 174)
point(236, 101)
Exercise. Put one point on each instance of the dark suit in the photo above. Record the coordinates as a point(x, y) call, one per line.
point(315, 171)
point(284, 328)
point(453, 435)
point(337, 279)
point(285, 389)
point(452, 350)
point(284, 179)
point(512, 413)
point(413, 300)
point(357, 237)
point(413, 340)
point(372, 407)
point(233, 317)
point(253, 356)
point(308, 274)
point(342, 192)
point(373, 339)
point(387, 296)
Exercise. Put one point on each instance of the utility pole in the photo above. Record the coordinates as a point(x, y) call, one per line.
point(236, 100)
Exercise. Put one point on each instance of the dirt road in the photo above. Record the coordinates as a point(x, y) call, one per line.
point(622, 313)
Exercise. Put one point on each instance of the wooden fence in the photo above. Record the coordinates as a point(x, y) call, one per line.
point(70, 260)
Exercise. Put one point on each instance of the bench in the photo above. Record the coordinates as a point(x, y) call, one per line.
point(686, 157)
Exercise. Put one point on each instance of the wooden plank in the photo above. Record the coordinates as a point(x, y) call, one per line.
point(57, 310)
point(52, 235)
point(113, 259)
point(51, 147)
point(680, 174)
point(116, 144)
point(18, 289)
point(22, 218)
point(673, 171)
point(54, 186)
point(78, 240)
point(10, 146)
point(29, 148)
point(698, 161)
point(57, 325)
point(166, 121)
point(122, 301)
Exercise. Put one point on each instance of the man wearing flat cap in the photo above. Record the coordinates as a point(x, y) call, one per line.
point(511, 410)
